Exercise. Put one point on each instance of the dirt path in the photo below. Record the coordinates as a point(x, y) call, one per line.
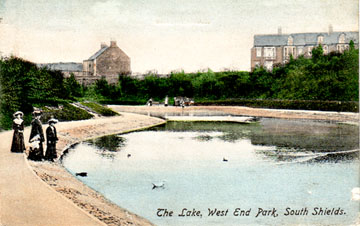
point(26, 200)
point(347, 117)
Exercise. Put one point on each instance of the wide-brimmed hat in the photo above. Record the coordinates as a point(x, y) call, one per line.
point(53, 120)
point(36, 112)
point(18, 113)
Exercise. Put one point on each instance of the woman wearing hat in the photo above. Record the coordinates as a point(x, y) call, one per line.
point(18, 144)
point(51, 139)
point(36, 138)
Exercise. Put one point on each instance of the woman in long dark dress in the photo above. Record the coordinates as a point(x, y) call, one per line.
point(36, 138)
point(18, 144)
point(51, 139)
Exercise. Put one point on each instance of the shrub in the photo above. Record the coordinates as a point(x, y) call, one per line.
point(65, 112)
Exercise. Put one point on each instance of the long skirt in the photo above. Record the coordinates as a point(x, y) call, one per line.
point(18, 144)
point(51, 152)
point(36, 154)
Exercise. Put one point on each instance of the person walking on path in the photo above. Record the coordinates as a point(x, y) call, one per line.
point(51, 139)
point(166, 101)
point(36, 138)
point(150, 101)
point(18, 144)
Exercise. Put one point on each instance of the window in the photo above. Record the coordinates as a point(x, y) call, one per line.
point(258, 51)
point(292, 51)
point(300, 50)
point(342, 38)
point(326, 49)
point(340, 48)
point(269, 52)
point(290, 41)
point(289, 50)
point(257, 64)
point(309, 50)
point(268, 65)
point(320, 39)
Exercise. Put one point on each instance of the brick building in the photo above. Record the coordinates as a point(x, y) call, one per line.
point(108, 62)
point(272, 49)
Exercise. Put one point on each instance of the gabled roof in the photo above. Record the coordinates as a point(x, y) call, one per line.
point(70, 66)
point(98, 53)
point(304, 38)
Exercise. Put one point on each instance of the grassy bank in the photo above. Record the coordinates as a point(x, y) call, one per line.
point(104, 111)
point(65, 112)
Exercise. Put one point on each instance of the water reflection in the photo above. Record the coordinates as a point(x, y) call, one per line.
point(205, 137)
point(107, 145)
point(293, 140)
point(293, 155)
point(308, 135)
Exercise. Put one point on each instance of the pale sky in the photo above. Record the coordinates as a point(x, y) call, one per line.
point(162, 35)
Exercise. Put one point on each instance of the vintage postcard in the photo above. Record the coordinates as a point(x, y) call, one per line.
point(171, 113)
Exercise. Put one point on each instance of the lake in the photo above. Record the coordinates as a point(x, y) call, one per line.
point(272, 172)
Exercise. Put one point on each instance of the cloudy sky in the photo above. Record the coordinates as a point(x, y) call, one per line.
point(162, 35)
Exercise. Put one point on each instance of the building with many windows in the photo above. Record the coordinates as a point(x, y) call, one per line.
point(272, 49)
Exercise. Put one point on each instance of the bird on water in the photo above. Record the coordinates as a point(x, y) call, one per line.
point(158, 185)
point(82, 174)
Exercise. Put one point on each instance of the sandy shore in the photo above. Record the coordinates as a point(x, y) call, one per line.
point(72, 132)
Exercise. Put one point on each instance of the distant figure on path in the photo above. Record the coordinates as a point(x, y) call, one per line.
point(51, 139)
point(36, 138)
point(150, 101)
point(166, 101)
point(18, 144)
point(182, 103)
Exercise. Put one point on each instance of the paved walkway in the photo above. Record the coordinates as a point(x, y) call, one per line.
point(26, 200)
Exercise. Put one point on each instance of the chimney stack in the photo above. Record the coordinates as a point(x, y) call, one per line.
point(331, 30)
point(279, 31)
point(112, 43)
point(103, 45)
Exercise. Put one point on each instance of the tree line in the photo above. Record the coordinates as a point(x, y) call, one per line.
point(323, 77)
point(332, 76)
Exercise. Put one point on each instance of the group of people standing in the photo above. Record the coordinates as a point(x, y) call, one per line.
point(36, 139)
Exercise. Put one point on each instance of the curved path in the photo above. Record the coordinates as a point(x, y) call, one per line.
point(160, 110)
point(26, 200)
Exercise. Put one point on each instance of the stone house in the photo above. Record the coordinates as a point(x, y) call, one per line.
point(108, 62)
point(272, 49)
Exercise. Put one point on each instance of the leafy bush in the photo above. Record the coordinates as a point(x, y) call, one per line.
point(65, 112)
point(24, 85)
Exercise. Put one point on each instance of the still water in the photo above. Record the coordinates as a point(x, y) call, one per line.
point(254, 174)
